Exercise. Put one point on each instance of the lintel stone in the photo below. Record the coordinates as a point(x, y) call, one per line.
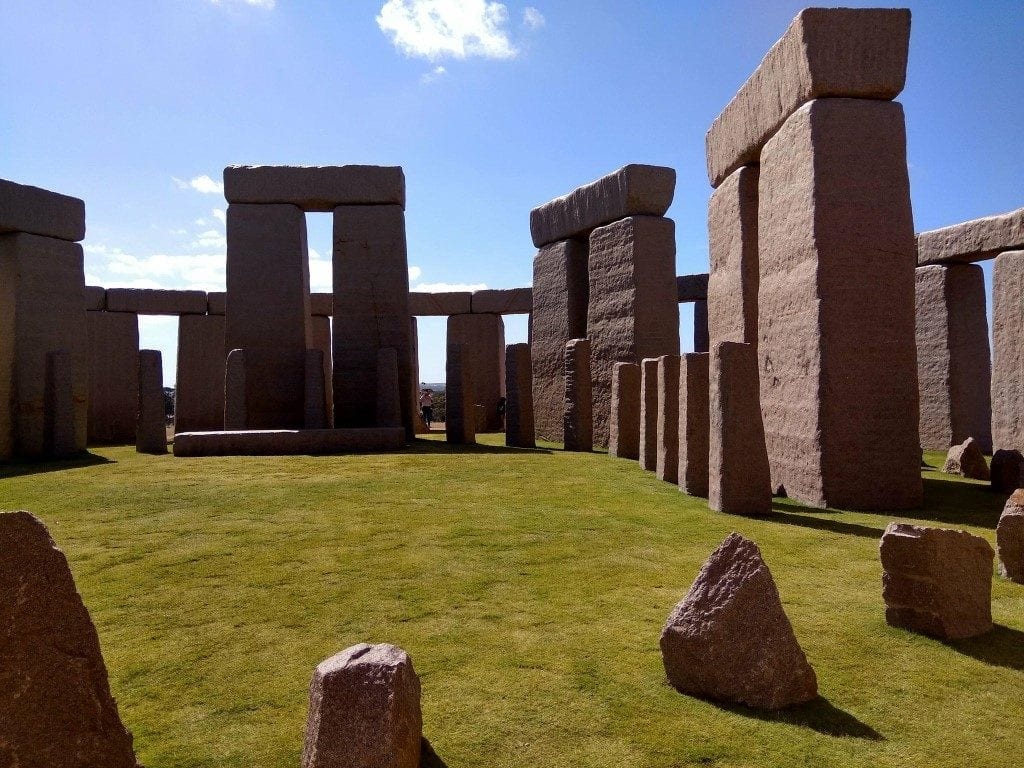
point(315, 188)
point(691, 288)
point(440, 304)
point(152, 301)
point(508, 301)
point(975, 240)
point(24, 208)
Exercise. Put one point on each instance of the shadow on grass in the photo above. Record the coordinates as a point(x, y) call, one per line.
point(1002, 647)
point(21, 468)
point(428, 757)
point(789, 514)
point(819, 715)
point(441, 446)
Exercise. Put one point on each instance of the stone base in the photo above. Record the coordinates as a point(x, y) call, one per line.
point(288, 442)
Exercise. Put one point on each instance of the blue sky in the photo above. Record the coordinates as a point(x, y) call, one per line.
point(136, 107)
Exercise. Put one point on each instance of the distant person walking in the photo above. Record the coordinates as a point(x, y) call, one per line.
point(427, 406)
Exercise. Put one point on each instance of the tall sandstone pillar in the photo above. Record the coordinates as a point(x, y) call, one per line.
point(151, 425)
point(460, 416)
point(648, 443)
point(694, 425)
point(519, 422)
point(199, 387)
point(113, 381)
point(732, 245)
point(578, 413)
point(624, 428)
point(483, 339)
point(1008, 351)
point(667, 428)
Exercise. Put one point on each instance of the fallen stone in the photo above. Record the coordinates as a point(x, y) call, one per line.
point(315, 188)
point(510, 301)
point(966, 460)
point(975, 240)
point(1005, 471)
point(24, 208)
point(578, 414)
point(624, 424)
point(730, 640)
point(1010, 538)
point(440, 304)
point(1008, 351)
point(155, 301)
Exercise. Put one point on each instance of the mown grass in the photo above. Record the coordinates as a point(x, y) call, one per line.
point(530, 588)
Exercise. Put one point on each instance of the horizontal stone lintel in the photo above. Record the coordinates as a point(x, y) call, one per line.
point(153, 301)
point(971, 241)
point(691, 288)
point(24, 208)
point(315, 188)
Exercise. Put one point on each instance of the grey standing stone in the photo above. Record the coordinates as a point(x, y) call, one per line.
point(694, 424)
point(667, 438)
point(199, 387)
point(624, 424)
point(1010, 538)
point(60, 404)
point(649, 414)
point(732, 245)
point(389, 407)
point(315, 397)
point(151, 426)
point(519, 425)
point(460, 415)
point(235, 416)
point(113, 383)
point(579, 414)
point(1005, 471)
point(1008, 351)
point(483, 338)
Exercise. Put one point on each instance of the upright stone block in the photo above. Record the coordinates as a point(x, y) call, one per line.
point(559, 314)
point(320, 327)
point(371, 310)
point(633, 312)
point(667, 464)
point(1008, 351)
point(579, 415)
point(624, 424)
point(732, 244)
point(235, 416)
point(24, 208)
point(701, 338)
point(460, 414)
point(113, 379)
point(268, 310)
point(836, 316)
point(316, 397)
point(483, 338)
point(649, 414)
point(738, 476)
point(151, 427)
point(953, 369)
point(389, 409)
point(60, 405)
point(199, 388)
point(519, 425)
point(694, 424)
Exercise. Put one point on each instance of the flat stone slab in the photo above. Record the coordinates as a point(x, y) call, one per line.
point(507, 301)
point(837, 52)
point(315, 188)
point(633, 190)
point(975, 240)
point(24, 208)
point(154, 301)
point(288, 442)
point(440, 304)
point(691, 288)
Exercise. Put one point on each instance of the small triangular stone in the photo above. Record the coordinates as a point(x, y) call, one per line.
point(966, 460)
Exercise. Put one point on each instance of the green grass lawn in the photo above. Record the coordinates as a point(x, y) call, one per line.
point(530, 588)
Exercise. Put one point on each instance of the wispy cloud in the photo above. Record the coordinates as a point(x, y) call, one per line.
point(447, 287)
point(203, 184)
point(267, 5)
point(435, 29)
point(532, 18)
point(220, 216)
point(432, 75)
point(414, 273)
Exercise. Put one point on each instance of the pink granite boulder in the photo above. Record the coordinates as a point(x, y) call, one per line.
point(1010, 538)
point(966, 460)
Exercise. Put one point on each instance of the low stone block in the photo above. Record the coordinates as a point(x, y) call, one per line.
point(315, 188)
point(154, 301)
point(694, 424)
point(691, 288)
point(1005, 471)
point(1008, 351)
point(289, 442)
point(316, 402)
point(624, 424)
point(519, 426)
point(199, 386)
point(24, 208)
point(966, 460)
point(389, 407)
point(95, 298)
point(649, 414)
point(440, 304)
point(667, 438)
point(507, 301)
point(579, 415)
point(460, 418)
point(151, 427)
point(1010, 538)
point(483, 340)
point(974, 240)
point(113, 375)
point(937, 581)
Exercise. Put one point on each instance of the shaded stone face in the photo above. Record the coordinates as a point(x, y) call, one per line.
point(1005, 471)
point(60, 439)
point(483, 338)
point(974, 240)
point(510, 301)
point(55, 702)
point(1010, 538)
point(199, 387)
point(151, 426)
point(694, 424)
point(440, 304)
point(649, 414)
point(315, 397)
point(937, 581)
point(624, 424)
point(691, 287)
point(113, 381)
point(519, 426)
point(95, 298)
point(289, 442)
point(156, 301)
point(729, 639)
point(667, 427)
point(320, 330)
point(460, 414)
point(1008, 351)
point(37, 211)
point(732, 246)
point(315, 188)
point(578, 409)
point(701, 338)
point(389, 409)
point(966, 460)
point(235, 416)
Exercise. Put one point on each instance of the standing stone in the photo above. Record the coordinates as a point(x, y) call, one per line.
point(414, 338)
point(1010, 538)
point(235, 416)
point(113, 384)
point(55, 702)
point(559, 314)
point(649, 414)
point(836, 341)
point(519, 425)
point(1005, 471)
point(1008, 351)
point(579, 414)
point(953, 370)
point(316, 397)
point(460, 416)
point(937, 581)
point(667, 429)
point(364, 710)
point(60, 405)
point(738, 476)
point(701, 339)
point(389, 407)
point(729, 639)
point(483, 337)
point(199, 388)
point(966, 460)
point(624, 424)
point(633, 312)
point(151, 426)
point(732, 246)
point(694, 426)
point(268, 310)
point(320, 329)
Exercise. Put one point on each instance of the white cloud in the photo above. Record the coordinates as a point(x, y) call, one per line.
point(203, 184)
point(414, 273)
point(446, 287)
point(211, 238)
point(532, 18)
point(220, 216)
point(435, 29)
point(432, 75)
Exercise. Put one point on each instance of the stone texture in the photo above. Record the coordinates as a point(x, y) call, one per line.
point(1010, 538)
point(667, 429)
point(825, 52)
point(732, 246)
point(320, 331)
point(321, 304)
point(1008, 351)
point(389, 408)
point(729, 639)
point(315, 188)
point(738, 475)
point(633, 312)
point(315, 397)
point(460, 416)
point(440, 304)
point(216, 302)
point(508, 301)
point(559, 314)
point(975, 240)
point(289, 442)
point(155, 301)
point(624, 424)
point(371, 310)
point(55, 702)
point(42, 309)
point(953, 368)
point(519, 425)
point(113, 375)
point(694, 424)
point(151, 424)
point(937, 581)
point(649, 414)
point(836, 317)
point(966, 460)
point(199, 385)
point(235, 415)
point(633, 190)
point(692, 288)
point(578, 414)
point(268, 310)
point(483, 338)
point(60, 441)
point(364, 710)
point(24, 208)
point(701, 337)
point(1005, 471)
point(95, 298)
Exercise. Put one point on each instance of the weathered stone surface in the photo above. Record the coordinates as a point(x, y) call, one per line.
point(701, 337)
point(460, 417)
point(315, 396)
point(320, 331)
point(578, 413)
point(825, 52)
point(729, 639)
point(151, 424)
point(508, 301)
point(440, 304)
point(288, 442)
point(732, 246)
point(624, 424)
point(55, 702)
point(667, 438)
point(975, 240)
point(694, 424)
point(649, 414)
point(1010, 538)
point(321, 304)
point(95, 298)
point(268, 310)
point(199, 385)
point(60, 405)
point(836, 308)
point(692, 288)
point(364, 710)
point(235, 415)
point(1008, 351)
point(216, 302)
point(315, 188)
point(633, 190)
point(633, 312)
point(738, 475)
point(559, 314)
point(1005, 471)
point(24, 208)
point(155, 301)
point(519, 426)
point(389, 409)
point(113, 375)
point(966, 460)
point(42, 309)
point(937, 581)
point(483, 340)
point(371, 310)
